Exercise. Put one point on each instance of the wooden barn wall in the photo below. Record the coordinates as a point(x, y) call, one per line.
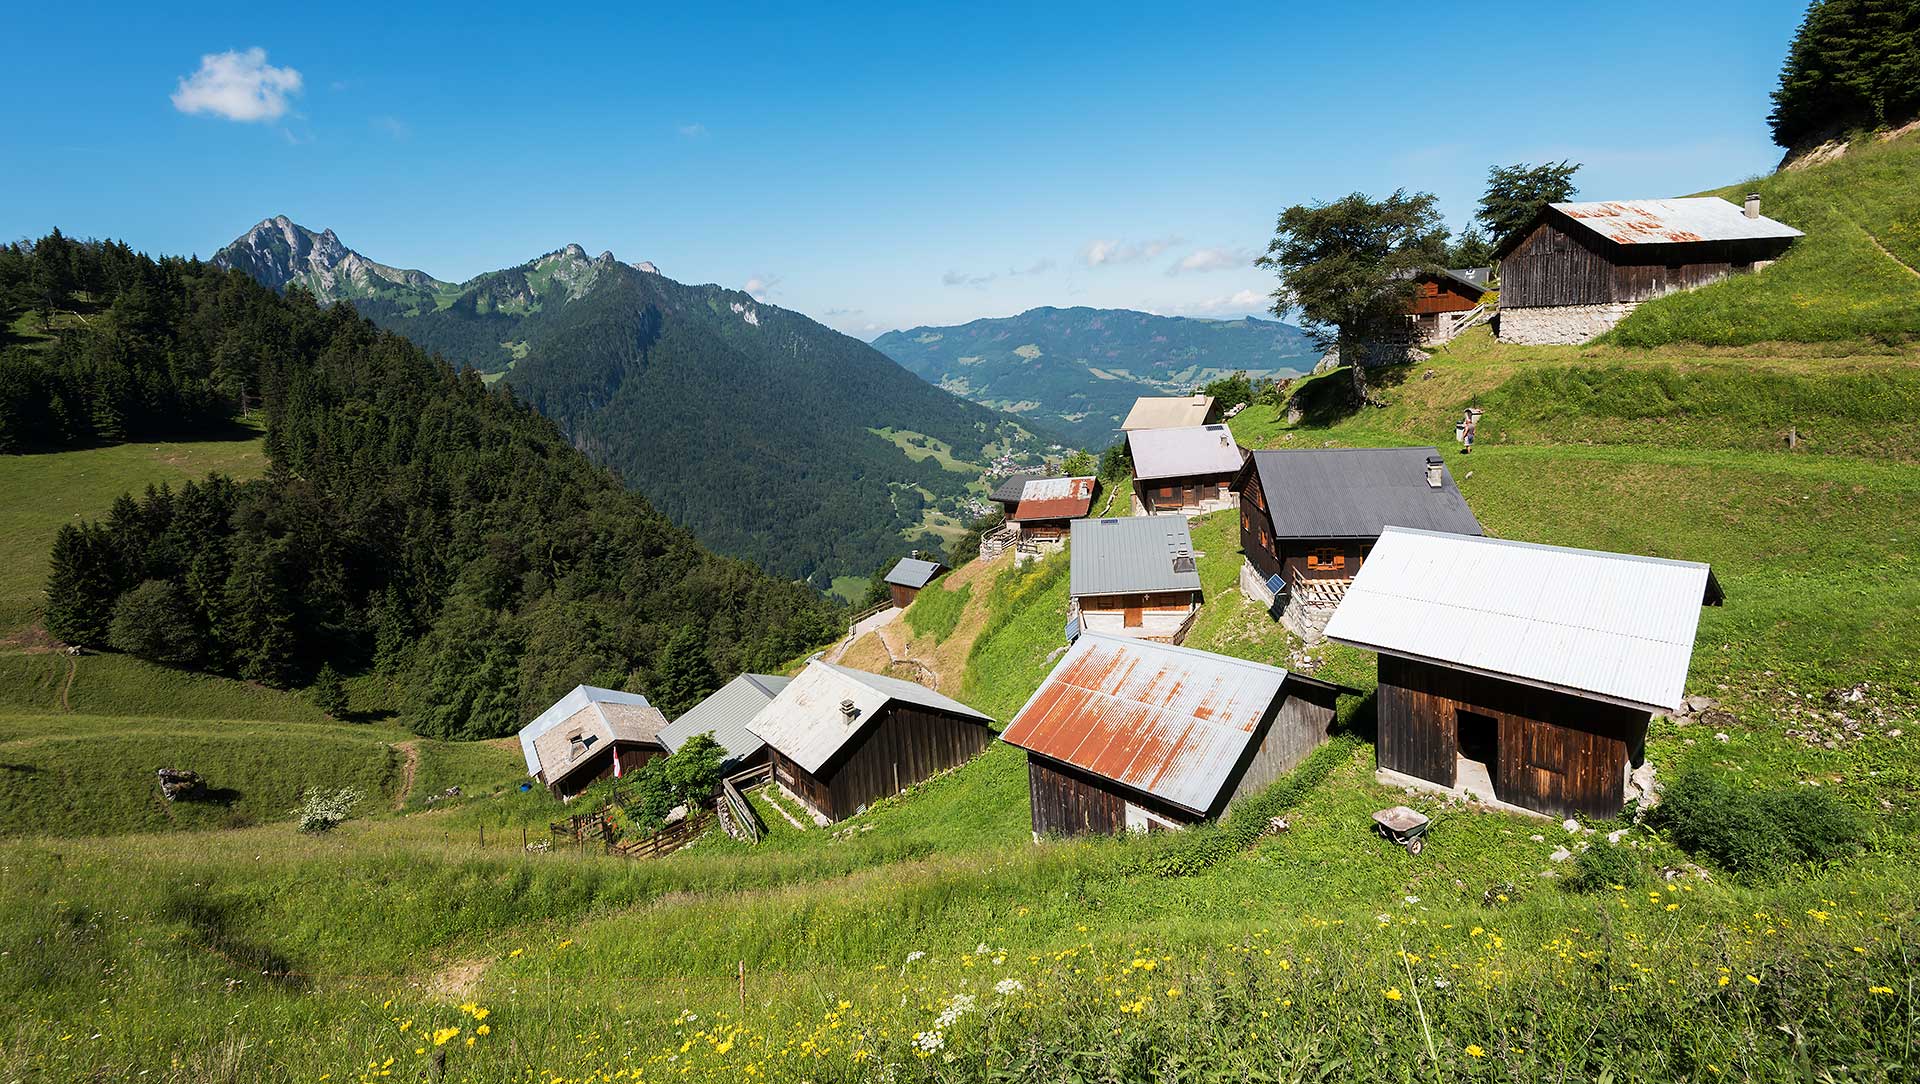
point(1067, 801)
point(1297, 727)
point(1172, 493)
point(600, 766)
point(802, 783)
point(1437, 296)
point(1256, 528)
point(916, 741)
point(1555, 266)
point(1557, 753)
point(1295, 551)
point(902, 596)
point(1160, 602)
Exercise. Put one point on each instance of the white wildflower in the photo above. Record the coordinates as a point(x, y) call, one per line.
point(928, 1041)
point(981, 949)
point(961, 1005)
point(1008, 987)
point(915, 955)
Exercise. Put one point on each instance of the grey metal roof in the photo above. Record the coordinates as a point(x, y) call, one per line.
point(1014, 485)
point(1169, 721)
point(726, 714)
point(1672, 221)
point(564, 709)
point(1168, 412)
point(1190, 451)
point(804, 721)
point(1610, 626)
point(1472, 277)
point(1130, 555)
point(914, 573)
point(1357, 492)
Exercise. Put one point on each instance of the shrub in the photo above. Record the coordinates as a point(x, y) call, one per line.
point(328, 694)
point(154, 622)
point(323, 810)
point(1752, 831)
point(1604, 866)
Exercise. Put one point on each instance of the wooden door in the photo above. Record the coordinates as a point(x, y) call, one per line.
point(1134, 615)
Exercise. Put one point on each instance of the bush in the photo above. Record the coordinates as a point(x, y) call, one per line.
point(155, 622)
point(323, 810)
point(1751, 831)
point(1604, 866)
point(327, 693)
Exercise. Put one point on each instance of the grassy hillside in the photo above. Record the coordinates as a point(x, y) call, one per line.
point(1855, 275)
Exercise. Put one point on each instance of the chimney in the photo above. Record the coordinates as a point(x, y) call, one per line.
point(1436, 472)
point(1753, 205)
point(849, 709)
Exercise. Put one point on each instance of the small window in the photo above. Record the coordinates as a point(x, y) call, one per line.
point(1246, 520)
point(1326, 559)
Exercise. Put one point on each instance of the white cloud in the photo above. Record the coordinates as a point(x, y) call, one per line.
point(239, 86)
point(1106, 252)
point(959, 278)
point(1213, 259)
point(691, 131)
point(1240, 302)
point(762, 286)
point(962, 278)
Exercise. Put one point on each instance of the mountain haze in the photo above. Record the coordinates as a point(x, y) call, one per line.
point(1076, 371)
point(770, 436)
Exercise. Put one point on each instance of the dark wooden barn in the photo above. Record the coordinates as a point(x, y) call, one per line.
point(1441, 299)
point(1127, 734)
point(841, 739)
point(1578, 268)
point(1525, 674)
point(591, 734)
point(1186, 471)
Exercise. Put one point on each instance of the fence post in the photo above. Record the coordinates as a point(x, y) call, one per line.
point(743, 987)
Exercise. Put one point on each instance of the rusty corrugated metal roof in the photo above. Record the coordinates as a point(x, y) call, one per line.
point(1169, 721)
point(1672, 221)
point(1053, 498)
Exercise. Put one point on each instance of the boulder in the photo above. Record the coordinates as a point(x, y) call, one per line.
point(1697, 704)
point(178, 783)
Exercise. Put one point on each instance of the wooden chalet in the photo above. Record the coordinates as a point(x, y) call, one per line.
point(588, 735)
point(1310, 517)
point(906, 579)
point(1171, 412)
point(1444, 300)
point(1040, 511)
point(725, 715)
point(1133, 576)
point(1188, 470)
point(1579, 268)
point(1523, 673)
point(1128, 735)
point(841, 739)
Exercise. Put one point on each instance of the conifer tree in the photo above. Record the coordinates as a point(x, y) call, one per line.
point(328, 693)
point(686, 677)
point(83, 585)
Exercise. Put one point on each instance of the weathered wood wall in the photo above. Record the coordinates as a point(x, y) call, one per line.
point(1297, 727)
point(1558, 263)
point(907, 744)
point(1557, 753)
point(1172, 494)
point(1435, 295)
point(902, 596)
point(1067, 801)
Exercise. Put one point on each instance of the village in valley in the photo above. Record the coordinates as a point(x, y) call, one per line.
point(1486, 653)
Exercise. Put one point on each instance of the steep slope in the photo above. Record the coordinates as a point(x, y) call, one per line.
point(770, 436)
point(1076, 371)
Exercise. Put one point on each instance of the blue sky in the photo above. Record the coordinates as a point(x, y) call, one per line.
point(874, 167)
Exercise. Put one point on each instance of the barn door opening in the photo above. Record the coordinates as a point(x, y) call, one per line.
point(1134, 616)
point(1479, 740)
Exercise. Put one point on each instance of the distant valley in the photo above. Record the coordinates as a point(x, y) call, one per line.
point(1075, 372)
point(770, 436)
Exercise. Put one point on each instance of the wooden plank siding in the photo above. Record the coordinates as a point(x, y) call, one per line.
point(1296, 728)
point(1556, 753)
point(1558, 263)
point(1173, 494)
point(902, 746)
point(902, 596)
point(1434, 294)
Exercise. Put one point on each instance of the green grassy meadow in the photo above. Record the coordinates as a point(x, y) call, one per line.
point(930, 938)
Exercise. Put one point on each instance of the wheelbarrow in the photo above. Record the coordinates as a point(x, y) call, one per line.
point(1403, 826)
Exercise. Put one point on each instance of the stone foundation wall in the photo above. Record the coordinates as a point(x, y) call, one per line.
point(1560, 324)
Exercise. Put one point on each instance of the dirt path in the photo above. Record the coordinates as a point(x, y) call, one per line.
point(410, 750)
point(875, 622)
point(66, 687)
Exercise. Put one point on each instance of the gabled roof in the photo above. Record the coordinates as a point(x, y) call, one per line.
point(805, 722)
point(1608, 626)
point(596, 727)
point(1356, 492)
point(1167, 721)
point(1130, 555)
point(1053, 498)
point(914, 573)
point(1167, 412)
point(726, 714)
point(564, 709)
point(1661, 222)
point(1196, 450)
point(1010, 490)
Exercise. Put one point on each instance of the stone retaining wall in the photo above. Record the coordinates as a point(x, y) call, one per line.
point(1560, 324)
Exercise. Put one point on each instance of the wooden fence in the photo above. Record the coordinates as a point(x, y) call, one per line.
point(739, 817)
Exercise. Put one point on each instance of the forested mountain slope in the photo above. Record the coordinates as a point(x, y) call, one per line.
point(1077, 371)
point(412, 519)
point(749, 424)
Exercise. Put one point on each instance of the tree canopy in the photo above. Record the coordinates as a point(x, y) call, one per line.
point(1516, 193)
point(1853, 64)
point(1347, 266)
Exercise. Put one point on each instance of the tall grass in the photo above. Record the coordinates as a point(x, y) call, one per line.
point(936, 610)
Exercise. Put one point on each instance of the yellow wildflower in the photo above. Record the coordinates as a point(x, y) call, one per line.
point(1474, 1051)
point(1391, 993)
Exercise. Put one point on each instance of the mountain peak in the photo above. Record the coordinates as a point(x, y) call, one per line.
point(280, 252)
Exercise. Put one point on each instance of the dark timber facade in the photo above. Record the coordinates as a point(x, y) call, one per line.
point(902, 744)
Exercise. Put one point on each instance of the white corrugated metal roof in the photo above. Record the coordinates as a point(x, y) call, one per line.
point(1169, 721)
point(805, 722)
point(563, 709)
point(1167, 411)
point(1196, 450)
point(1672, 221)
point(1613, 626)
point(726, 714)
